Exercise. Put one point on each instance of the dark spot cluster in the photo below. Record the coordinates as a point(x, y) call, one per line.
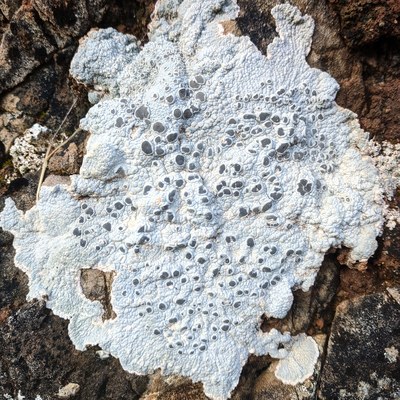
point(124, 112)
point(212, 277)
point(199, 204)
point(282, 132)
point(161, 143)
point(304, 187)
point(91, 232)
point(164, 137)
point(274, 133)
point(188, 156)
point(169, 203)
point(227, 188)
point(253, 195)
point(194, 314)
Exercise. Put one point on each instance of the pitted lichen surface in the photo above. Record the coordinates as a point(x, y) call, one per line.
point(214, 182)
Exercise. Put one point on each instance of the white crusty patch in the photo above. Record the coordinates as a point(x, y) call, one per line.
point(28, 151)
point(299, 363)
point(214, 182)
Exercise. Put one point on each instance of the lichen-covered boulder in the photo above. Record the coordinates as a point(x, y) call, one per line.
point(214, 182)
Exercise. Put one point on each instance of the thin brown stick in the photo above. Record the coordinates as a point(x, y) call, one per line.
point(42, 172)
point(50, 153)
point(64, 143)
point(65, 118)
point(47, 157)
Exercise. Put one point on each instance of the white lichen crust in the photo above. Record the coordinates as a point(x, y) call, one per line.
point(215, 180)
point(299, 363)
point(28, 151)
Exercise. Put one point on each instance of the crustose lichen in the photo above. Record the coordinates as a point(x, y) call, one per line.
point(215, 180)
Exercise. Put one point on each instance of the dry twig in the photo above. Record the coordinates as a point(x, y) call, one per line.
point(50, 153)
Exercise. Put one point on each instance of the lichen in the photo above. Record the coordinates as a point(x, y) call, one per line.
point(298, 365)
point(214, 182)
point(28, 151)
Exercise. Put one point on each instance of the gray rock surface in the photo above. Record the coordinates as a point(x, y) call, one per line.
point(38, 29)
point(363, 354)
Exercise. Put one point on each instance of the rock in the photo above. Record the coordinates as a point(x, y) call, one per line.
point(322, 296)
point(129, 16)
point(250, 373)
point(24, 47)
point(23, 190)
point(386, 263)
point(13, 282)
point(361, 360)
point(9, 7)
point(96, 285)
point(69, 390)
point(173, 388)
point(40, 28)
point(364, 22)
point(12, 120)
point(53, 180)
point(354, 283)
point(46, 97)
point(349, 43)
point(38, 358)
point(395, 293)
point(66, 161)
point(371, 29)
point(267, 386)
point(2, 153)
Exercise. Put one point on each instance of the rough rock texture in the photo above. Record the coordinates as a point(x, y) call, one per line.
point(45, 98)
point(42, 365)
point(173, 388)
point(367, 71)
point(365, 22)
point(38, 29)
point(363, 354)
